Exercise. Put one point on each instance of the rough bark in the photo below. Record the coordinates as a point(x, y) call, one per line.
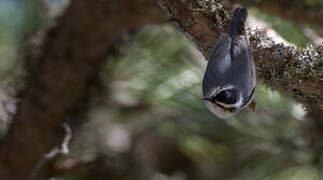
point(71, 58)
point(293, 71)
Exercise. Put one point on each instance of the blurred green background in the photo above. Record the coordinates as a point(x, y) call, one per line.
point(148, 121)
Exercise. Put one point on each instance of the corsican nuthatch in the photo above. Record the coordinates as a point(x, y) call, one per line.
point(230, 79)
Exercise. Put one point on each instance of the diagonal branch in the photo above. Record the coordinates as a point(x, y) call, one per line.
point(295, 72)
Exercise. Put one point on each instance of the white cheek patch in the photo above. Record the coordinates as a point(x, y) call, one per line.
point(218, 111)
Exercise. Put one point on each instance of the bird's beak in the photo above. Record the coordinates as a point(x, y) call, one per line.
point(207, 98)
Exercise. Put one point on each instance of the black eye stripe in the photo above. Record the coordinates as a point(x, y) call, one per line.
point(228, 96)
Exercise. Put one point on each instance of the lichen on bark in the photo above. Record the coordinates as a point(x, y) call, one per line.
point(293, 71)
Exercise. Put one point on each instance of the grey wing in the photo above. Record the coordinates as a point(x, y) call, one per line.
point(242, 72)
point(219, 62)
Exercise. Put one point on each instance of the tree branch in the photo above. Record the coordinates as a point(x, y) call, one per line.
point(293, 71)
point(71, 58)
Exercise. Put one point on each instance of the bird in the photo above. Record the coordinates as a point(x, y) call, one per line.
point(230, 78)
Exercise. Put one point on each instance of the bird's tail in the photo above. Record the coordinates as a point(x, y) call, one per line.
point(237, 25)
